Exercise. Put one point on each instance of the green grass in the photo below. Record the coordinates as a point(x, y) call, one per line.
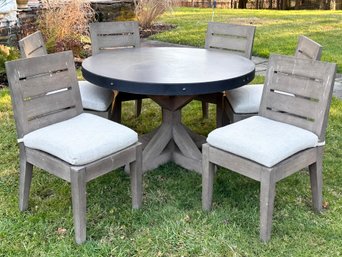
point(277, 31)
point(171, 222)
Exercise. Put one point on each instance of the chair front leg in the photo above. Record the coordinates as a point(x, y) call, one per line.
point(137, 179)
point(316, 180)
point(208, 172)
point(267, 195)
point(79, 203)
point(25, 179)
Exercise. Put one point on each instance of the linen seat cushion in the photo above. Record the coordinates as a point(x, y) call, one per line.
point(262, 140)
point(82, 139)
point(94, 97)
point(245, 99)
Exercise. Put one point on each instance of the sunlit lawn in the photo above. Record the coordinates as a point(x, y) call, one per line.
point(171, 222)
point(277, 31)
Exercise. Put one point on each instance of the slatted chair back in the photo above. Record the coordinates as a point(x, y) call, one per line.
point(298, 92)
point(44, 91)
point(112, 35)
point(308, 49)
point(32, 45)
point(237, 39)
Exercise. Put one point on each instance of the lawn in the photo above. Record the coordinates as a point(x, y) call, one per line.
point(171, 222)
point(277, 31)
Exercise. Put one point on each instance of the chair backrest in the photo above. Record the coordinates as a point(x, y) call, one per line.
point(113, 35)
point(237, 39)
point(298, 92)
point(44, 90)
point(308, 49)
point(32, 45)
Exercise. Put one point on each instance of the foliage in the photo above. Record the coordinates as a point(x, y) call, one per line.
point(147, 11)
point(6, 54)
point(276, 31)
point(64, 23)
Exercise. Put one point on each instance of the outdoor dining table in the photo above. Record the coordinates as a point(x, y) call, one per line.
point(171, 77)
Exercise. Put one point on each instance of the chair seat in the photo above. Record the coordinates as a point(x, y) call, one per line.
point(82, 139)
point(262, 140)
point(246, 99)
point(94, 97)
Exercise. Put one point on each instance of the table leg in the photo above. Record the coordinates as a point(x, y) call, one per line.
point(173, 142)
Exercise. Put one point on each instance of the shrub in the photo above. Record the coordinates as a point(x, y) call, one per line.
point(147, 11)
point(6, 54)
point(64, 24)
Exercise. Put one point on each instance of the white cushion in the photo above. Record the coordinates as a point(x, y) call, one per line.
point(82, 139)
point(262, 140)
point(94, 97)
point(245, 99)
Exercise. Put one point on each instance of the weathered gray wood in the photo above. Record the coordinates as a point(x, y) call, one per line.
point(235, 39)
point(293, 68)
point(267, 195)
point(25, 179)
point(18, 71)
point(158, 142)
point(208, 172)
point(312, 157)
point(51, 164)
point(120, 34)
point(109, 36)
point(316, 180)
point(306, 49)
point(113, 161)
point(186, 162)
point(136, 178)
point(77, 175)
point(185, 143)
point(32, 45)
point(79, 203)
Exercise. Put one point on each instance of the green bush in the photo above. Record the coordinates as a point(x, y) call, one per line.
point(6, 54)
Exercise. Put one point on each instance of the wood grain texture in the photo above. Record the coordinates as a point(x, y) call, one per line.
point(306, 49)
point(39, 108)
point(20, 71)
point(235, 39)
point(320, 74)
point(109, 36)
point(33, 45)
point(316, 84)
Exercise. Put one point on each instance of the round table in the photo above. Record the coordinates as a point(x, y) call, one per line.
point(172, 77)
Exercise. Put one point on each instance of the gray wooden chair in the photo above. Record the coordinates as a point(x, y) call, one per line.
point(109, 36)
point(244, 102)
point(288, 134)
point(95, 100)
point(236, 39)
point(54, 133)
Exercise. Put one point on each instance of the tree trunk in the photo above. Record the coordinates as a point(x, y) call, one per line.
point(242, 4)
point(270, 2)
